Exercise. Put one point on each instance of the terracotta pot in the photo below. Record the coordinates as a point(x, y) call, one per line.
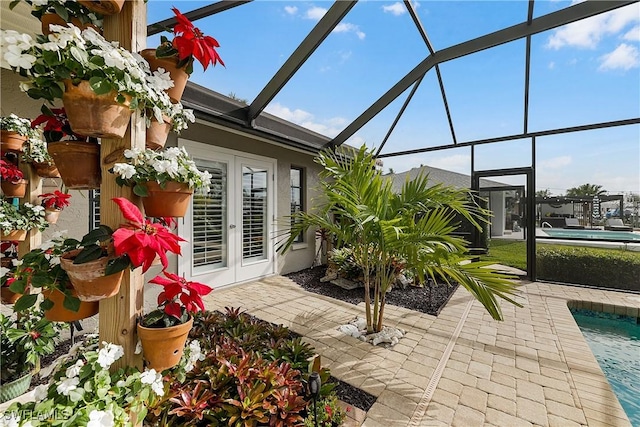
point(170, 64)
point(88, 279)
point(173, 200)
point(10, 297)
point(78, 163)
point(51, 215)
point(7, 262)
point(104, 7)
point(14, 189)
point(11, 141)
point(100, 116)
point(52, 18)
point(46, 170)
point(19, 235)
point(162, 348)
point(157, 134)
point(58, 313)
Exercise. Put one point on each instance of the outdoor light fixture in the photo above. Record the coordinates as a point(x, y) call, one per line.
point(314, 390)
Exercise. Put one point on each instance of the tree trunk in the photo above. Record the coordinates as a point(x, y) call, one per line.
point(383, 301)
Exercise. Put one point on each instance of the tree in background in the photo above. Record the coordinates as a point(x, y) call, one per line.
point(586, 190)
point(543, 193)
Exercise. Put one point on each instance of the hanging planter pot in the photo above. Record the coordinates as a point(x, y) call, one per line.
point(88, 278)
point(8, 296)
point(58, 313)
point(103, 7)
point(78, 163)
point(14, 235)
point(55, 19)
point(46, 170)
point(157, 133)
point(162, 348)
point(172, 200)
point(99, 116)
point(11, 141)
point(14, 189)
point(170, 64)
point(51, 215)
point(15, 388)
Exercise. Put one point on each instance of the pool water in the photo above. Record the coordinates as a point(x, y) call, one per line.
point(615, 342)
point(617, 236)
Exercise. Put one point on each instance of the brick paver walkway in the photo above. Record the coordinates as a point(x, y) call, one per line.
point(461, 368)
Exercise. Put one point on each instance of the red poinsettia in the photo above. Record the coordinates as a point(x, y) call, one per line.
point(10, 172)
point(178, 293)
point(56, 125)
point(189, 41)
point(56, 200)
point(142, 239)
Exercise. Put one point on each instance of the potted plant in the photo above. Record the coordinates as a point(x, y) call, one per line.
point(177, 55)
point(76, 156)
point(96, 266)
point(164, 179)
point(175, 118)
point(24, 340)
point(13, 183)
point(14, 130)
point(100, 84)
point(53, 204)
point(7, 277)
point(59, 12)
point(15, 222)
point(163, 332)
point(35, 153)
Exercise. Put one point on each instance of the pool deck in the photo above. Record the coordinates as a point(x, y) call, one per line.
point(460, 368)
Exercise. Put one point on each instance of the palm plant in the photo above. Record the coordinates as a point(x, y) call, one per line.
point(385, 228)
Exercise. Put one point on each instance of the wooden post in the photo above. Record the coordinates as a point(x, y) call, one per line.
point(34, 189)
point(119, 313)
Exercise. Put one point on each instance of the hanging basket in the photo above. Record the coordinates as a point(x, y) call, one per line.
point(14, 189)
point(99, 116)
point(19, 235)
point(15, 388)
point(11, 141)
point(78, 163)
point(172, 201)
point(10, 297)
point(103, 7)
point(170, 64)
point(52, 215)
point(58, 313)
point(157, 133)
point(88, 278)
point(46, 170)
point(162, 348)
point(55, 19)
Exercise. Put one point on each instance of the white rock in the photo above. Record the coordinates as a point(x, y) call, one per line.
point(351, 330)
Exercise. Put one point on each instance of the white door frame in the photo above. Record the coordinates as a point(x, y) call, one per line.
point(235, 271)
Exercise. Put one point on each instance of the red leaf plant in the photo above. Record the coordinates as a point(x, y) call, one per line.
point(189, 43)
point(141, 239)
point(56, 200)
point(178, 300)
point(10, 172)
point(56, 125)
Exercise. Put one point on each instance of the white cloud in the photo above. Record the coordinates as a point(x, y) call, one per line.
point(633, 34)
point(555, 162)
point(291, 10)
point(346, 27)
point(396, 9)
point(623, 57)
point(329, 127)
point(315, 13)
point(587, 33)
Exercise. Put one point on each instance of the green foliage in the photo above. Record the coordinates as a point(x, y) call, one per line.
point(328, 413)
point(589, 266)
point(24, 217)
point(346, 263)
point(586, 190)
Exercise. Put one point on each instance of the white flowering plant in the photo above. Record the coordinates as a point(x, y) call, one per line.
point(35, 151)
point(19, 125)
point(23, 217)
point(82, 391)
point(172, 164)
point(69, 56)
point(66, 9)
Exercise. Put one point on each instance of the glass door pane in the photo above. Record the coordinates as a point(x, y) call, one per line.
point(254, 213)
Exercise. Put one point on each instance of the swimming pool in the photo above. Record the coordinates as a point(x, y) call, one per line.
point(616, 236)
point(615, 342)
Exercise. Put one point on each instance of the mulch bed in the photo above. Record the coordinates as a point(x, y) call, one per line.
point(428, 299)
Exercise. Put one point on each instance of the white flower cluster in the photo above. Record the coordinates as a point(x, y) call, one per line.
point(35, 151)
point(154, 379)
point(172, 164)
point(193, 352)
point(24, 217)
point(19, 125)
point(15, 48)
point(101, 419)
point(108, 354)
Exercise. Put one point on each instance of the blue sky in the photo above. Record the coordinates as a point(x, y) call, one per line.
point(581, 73)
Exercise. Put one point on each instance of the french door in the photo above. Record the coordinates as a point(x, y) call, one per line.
point(229, 229)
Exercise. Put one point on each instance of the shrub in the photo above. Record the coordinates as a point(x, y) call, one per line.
point(586, 266)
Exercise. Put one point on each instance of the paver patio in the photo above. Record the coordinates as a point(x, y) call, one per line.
point(461, 368)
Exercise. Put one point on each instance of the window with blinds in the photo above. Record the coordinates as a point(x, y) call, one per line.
point(210, 235)
point(94, 209)
point(254, 213)
point(296, 196)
